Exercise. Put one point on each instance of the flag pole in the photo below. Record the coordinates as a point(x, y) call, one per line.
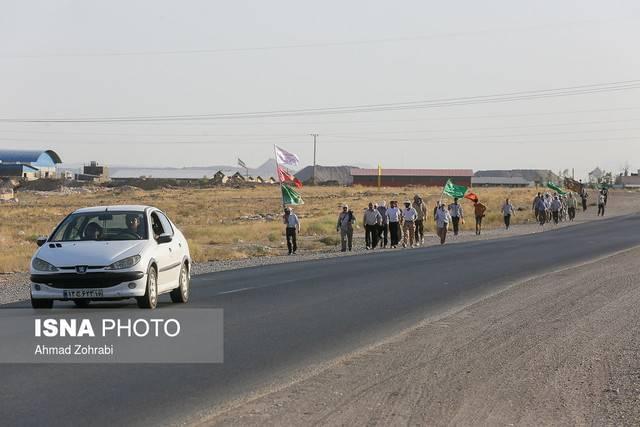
point(443, 187)
point(275, 153)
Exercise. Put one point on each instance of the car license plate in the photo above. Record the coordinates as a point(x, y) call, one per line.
point(82, 293)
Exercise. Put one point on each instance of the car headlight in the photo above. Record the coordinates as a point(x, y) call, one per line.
point(42, 265)
point(124, 263)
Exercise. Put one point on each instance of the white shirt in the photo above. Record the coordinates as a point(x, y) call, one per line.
point(507, 209)
point(442, 218)
point(292, 220)
point(456, 209)
point(409, 214)
point(393, 214)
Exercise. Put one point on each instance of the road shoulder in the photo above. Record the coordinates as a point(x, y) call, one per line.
point(562, 348)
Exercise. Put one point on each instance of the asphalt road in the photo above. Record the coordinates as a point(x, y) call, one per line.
point(283, 318)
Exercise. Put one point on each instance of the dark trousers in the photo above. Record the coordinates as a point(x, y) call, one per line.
point(542, 217)
point(383, 233)
point(600, 210)
point(572, 213)
point(394, 232)
point(455, 220)
point(584, 205)
point(419, 234)
point(507, 220)
point(291, 240)
point(555, 216)
point(371, 235)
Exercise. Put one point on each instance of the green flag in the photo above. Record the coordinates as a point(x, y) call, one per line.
point(555, 188)
point(455, 191)
point(290, 197)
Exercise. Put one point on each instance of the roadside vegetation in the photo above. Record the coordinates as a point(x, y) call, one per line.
point(231, 223)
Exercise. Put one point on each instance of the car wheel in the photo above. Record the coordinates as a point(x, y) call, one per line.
point(150, 298)
point(82, 303)
point(41, 303)
point(181, 293)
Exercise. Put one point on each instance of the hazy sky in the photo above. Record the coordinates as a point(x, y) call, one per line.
point(84, 59)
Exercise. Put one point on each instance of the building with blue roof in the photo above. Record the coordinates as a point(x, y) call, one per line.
point(29, 164)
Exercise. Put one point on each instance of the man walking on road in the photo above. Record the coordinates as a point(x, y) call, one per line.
point(442, 222)
point(409, 216)
point(536, 206)
point(293, 227)
point(393, 219)
point(421, 210)
point(583, 196)
point(371, 221)
point(602, 201)
point(479, 209)
point(571, 206)
point(383, 232)
point(555, 207)
point(541, 207)
point(507, 211)
point(456, 213)
point(346, 219)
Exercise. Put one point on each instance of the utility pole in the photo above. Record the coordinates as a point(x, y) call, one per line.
point(315, 137)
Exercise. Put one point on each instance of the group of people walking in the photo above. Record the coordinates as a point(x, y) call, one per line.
point(393, 225)
point(556, 207)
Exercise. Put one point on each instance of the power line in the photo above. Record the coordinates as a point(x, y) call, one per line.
point(363, 108)
point(295, 45)
point(361, 134)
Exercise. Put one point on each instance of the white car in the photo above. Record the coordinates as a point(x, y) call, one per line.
point(111, 253)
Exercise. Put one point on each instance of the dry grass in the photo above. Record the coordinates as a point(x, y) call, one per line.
point(211, 218)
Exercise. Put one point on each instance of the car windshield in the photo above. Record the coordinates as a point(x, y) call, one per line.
point(101, 226)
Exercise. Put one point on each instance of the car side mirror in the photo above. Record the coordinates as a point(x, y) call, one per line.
point(41, 240)
point(164, 238)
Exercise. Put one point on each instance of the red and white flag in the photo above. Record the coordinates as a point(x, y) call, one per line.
point(286, 158)
point(285, 176)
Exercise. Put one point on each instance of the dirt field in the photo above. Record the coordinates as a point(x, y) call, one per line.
point(559, 349)
point(227, 223)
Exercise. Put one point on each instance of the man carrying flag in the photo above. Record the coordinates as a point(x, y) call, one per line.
point(292, 229)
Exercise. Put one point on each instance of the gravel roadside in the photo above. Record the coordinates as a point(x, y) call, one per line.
point(15, 286)
point(558, 349)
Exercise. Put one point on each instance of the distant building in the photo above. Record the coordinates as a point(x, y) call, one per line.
point(220, 178)
point(237, 178)
point(629, 181)
point(341, 175)
point(259, 180)
point(94, 172)
point(403, 177)
point(20, 171)
point(537, 176)
point(271, 180)
point(497, 181)
point(595, 176)
point(29, 164)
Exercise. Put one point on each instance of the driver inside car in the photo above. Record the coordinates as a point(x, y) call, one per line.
point(133, 224)
point(93, 231)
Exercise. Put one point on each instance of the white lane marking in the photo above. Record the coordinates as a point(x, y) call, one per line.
point(235, 290)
